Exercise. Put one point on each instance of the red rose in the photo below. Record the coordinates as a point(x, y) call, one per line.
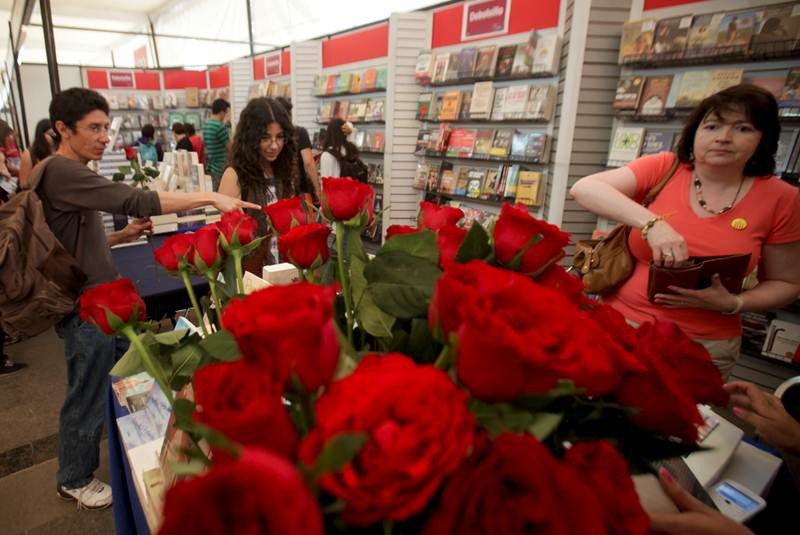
point(614, 323)
point(305, 246)
point(516, 230)
point(173, 249)
point(516, 486)
point(237, 228)
point(344, 198)
point(394, 230)
point(259, 493)
point(130, 153)
point(557, 278)
point(434, 217)
point(120, 298)
point(606, 472)
point(285, 212)
point(245, 406)
point(207, 249)
point(419, 430)
point(285, 329)
point(516, 337)
point(449, 240)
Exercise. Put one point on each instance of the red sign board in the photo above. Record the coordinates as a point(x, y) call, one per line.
point(484, 18)
point(273, 64)
point(121, 78)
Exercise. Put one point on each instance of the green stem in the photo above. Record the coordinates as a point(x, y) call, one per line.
point(307, 410)
point(443, 360)
point(149, 364)
point(212, 283)
point(345, 280)
point(193, 299)
point(237, 263)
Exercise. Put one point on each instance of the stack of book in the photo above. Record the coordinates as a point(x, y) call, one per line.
point(372, 79)
point(355, 111)
point(486, 103)
point(269, 88)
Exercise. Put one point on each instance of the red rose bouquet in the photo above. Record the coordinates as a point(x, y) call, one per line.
point(456, 381)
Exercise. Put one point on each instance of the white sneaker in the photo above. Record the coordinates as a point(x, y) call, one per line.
point(95, 495)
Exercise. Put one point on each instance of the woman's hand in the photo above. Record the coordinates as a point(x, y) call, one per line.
point(767, 414)
point(669, 247)
point(716, 297)
point(225, 204)
point(695, 517)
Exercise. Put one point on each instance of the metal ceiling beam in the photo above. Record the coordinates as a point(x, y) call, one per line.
point(50, 46)
point(21, 108)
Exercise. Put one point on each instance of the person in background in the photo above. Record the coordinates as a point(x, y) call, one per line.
point(336, 146)
point(43, 146)
point(181, 138)
point(216, 139)
point(9, 161)
point(262, 167)
point(149, 149)
point(309, 179)
point(72, 197)
point(197, 143)
point(722, 199)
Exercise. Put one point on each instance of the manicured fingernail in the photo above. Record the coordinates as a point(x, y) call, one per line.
point(738, 411)
point(665, 475)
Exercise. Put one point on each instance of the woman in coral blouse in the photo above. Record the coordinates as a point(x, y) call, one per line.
point(722, 199)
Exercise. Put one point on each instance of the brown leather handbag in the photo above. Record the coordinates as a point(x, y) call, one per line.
point(606, 263)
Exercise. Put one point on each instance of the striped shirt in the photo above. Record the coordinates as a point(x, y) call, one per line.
point(215, 137)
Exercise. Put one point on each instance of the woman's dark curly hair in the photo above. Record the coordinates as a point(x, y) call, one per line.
point(759, 107)
point(40, 148)
point(246, 153)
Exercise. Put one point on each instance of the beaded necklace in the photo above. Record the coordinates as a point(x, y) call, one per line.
point(698, 189)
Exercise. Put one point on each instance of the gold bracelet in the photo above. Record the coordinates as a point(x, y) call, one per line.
point(739, 306)
point(647, 226)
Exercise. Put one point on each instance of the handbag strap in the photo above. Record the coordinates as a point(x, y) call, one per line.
point(653, 193)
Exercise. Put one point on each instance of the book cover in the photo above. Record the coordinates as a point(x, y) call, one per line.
point(672, 96)
point(629, 89)
point(516, 100)
point(625, 145)
point(778, 30)
point(782, 341)
point(421, 176)
point(483, 144)
point(451, 105)
point(342, 107)
point(370, 79)
point(433, 177)
point(787, 141)
point(694, 87)
point(440, 67)
point(475, 179)
point(490, 184)
point(423, 141)
point(773, 84)
point(452, 67)
point(505, 61)
point(790, 95)
point(671, 35)
point(133, 103)
point(461, 143)
point(736, 30)
point(546, 56)
point(466, 62)
point(330, 85)
point(361, 110)
point(351, 112)
point(436, 106)
point(512, 178)
point(466, 103)
point(541, 102)
point(500, 182)
point(113, 102)
point(523, 60)
point(528, 187)
point(378, 107)
point(485, 62)
point(343, 83)
point(655, 142)
point(519, 142)
point(499, 101)
point(447, 183)
point(482, 98)
point(462, 179)
point(637, 38)
point(501, 146)
point(654, 95)
point(442, 137)
point(381, 78)
point(703, 35)
point(320, 82)
point(378, 142)
point(355, 82)
point(423, 105)
point(423, 72)
point(723, 79)
point(537, 149)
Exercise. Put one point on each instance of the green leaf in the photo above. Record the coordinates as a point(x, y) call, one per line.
point(139, 177)
point(339, 451)
point(358, 284)
point(421, 345)
point(401, 284)
point(229, 276)
point(171, 338)
point(125, 169)
point(252, 246)
point(374, 320)
point(475, 245)
point(192, 468)
point(418, 244)
point(355, 246)
point(544, 423)
point(129, 364)
point(186, 360)
point(117, 177)
point(221, 345)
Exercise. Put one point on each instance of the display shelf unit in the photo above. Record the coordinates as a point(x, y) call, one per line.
point(472, 80)
point(716, 55)
point(370, 92)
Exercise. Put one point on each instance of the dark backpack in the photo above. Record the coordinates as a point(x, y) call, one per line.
point(39, 280)
point(353, 167)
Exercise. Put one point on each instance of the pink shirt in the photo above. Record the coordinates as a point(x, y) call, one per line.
point(771, 208)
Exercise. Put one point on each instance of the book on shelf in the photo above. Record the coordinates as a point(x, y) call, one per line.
point(655, 142)
point(672, 96)
point(343, 82)
point(541, 102)
point(452, 67)
point(341, 108)
point(703, 35)
point(782, 341)
point(483, 143)
point(325, 111)
point(466, 62)
point(320, 83)
point(433, 178)
point(773, 84)
point(442, 138)
point(370, 80)
point(489, 189)
point(143, 102)
point(351, 113)
point(440, 67)
point(778, 29)
point(501, 145)
point(475, 179)
point(537, 148)
point(500, 181)
point(423, 105)
point(515, 101)
point(485, 62)
point(523, 59)
point(625, 145)
point(192, 96)
point(790, 95)
point(511, 182)
point(736, 30)
point(461, 143)
point(694, 87)
point(528, 183)
point(330, 84)
point(361, 110)
point(381, 78)
point(378, 141)
point(787, 141)
point(637, 38)
point(505, 61)
point(482, 98)
point(654, 95)
point(421, 176)
point(359, 138)
point(113, 102)
point(436, 106)
point(378, 110)
point(424, 68)
point(547, 55)
point(355, 82)
point(629, 88)
point(519, 141)
point(671, 35)
point(447, 182)
point(499, 101)
point(466, 103)
point(722, 79)
point(462, 179)
point(451, 105)
point(133, 103)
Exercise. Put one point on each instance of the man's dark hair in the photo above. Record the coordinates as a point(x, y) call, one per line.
point(220, 105)
point(285, 102)
point(148, 131)
point(189, 129)
point(178, 128)
point(72, 105)
point(758, 106)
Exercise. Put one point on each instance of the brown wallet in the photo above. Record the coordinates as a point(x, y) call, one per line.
point(697, 274)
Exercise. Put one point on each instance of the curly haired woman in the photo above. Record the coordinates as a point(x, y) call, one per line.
point(262, 167)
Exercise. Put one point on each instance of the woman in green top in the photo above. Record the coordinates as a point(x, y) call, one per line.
point(262, 167)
